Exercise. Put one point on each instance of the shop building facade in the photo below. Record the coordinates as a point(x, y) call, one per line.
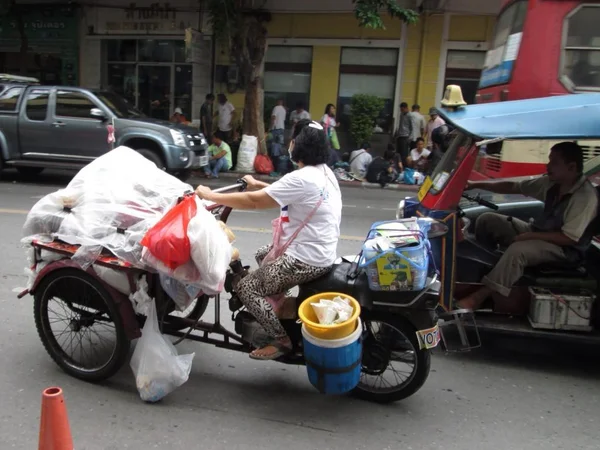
point(50, 41)
point(319, 58)
point(138, 50)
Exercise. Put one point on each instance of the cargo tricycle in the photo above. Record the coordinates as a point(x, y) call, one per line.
point(86, 325)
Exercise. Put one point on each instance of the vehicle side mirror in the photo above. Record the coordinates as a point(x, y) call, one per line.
point(437, 230)
point(97, 113)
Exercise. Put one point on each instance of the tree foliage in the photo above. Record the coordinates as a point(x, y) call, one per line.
point(365, 110)
point(368, 13)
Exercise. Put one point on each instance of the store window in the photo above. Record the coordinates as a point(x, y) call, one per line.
point(464, 69)
point(151, 74)
point(37, 104)
point(287, 77)
point(10, 98)
point(367, 71)
point(581, 57)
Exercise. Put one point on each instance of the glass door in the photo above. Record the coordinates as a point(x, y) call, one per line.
point(154, 91)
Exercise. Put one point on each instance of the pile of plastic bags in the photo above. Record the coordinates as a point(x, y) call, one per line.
point(328, 312)
point(123, 203)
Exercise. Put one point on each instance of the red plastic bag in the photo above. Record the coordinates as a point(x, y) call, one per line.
point(167, 240)
point(263, 164)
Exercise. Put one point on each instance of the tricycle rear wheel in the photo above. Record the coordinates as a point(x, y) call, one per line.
point(90, 341)
point(389, 343)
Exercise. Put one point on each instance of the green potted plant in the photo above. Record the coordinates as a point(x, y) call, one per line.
point(364, 112)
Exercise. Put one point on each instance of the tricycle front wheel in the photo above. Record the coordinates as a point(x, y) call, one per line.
point(393, 365)
point(80, 325)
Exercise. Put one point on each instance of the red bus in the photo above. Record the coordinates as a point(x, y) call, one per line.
point(540, 48)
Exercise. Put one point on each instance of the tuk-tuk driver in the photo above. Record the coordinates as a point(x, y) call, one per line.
point(561, 236)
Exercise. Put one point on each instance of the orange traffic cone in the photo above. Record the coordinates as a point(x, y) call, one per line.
point(55, 432)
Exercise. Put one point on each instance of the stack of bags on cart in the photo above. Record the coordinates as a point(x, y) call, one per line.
point(123, 203)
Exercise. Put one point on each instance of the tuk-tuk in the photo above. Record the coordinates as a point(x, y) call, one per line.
point(550, 301)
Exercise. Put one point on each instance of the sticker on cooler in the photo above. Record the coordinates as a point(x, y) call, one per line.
point(429, 338)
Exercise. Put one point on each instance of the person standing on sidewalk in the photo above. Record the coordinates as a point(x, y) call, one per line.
point(206, 117)
point(226, 112)
point(277, 127)
point(435, 121)
point(403, 132)
point(417, 122)
point(298, 114)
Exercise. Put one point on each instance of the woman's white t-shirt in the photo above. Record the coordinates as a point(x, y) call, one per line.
point(298, 193)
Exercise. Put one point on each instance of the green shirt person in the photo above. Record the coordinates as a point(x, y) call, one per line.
point(219, 155)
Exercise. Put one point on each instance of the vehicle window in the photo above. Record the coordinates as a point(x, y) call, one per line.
point(118, 105)
point(581, 58)
point(500, 58)
point(73, 104)
point(10, 98)
point(457, 151)
point(37, 104)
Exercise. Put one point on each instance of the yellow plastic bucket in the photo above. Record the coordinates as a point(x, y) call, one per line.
point(334, 331)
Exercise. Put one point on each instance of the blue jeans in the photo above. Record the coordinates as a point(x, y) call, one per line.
point(215, 166)
point(277, 142)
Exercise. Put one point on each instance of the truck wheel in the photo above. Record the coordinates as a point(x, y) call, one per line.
point(152, 156)
point(393, 365)
point(29, 171)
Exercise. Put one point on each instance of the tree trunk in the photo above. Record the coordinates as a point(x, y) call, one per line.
point(253, 123)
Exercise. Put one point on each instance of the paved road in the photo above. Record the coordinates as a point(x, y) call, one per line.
point(506, 397)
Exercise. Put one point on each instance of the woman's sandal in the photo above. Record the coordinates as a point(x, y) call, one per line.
point(280, 350)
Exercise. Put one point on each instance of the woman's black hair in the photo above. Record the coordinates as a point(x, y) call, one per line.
point(310, 144)
point(389, 155)
point(328, 107)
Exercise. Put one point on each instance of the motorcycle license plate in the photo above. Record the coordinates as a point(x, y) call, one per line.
point(425, 188)
point(429, 338)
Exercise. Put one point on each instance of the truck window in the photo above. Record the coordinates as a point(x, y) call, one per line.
point(37, 104)
point(10, 98)
point(73, 104)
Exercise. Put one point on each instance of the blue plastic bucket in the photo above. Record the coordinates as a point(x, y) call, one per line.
point(333, 366)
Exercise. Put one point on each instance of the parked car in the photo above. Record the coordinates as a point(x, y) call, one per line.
point(67, 127)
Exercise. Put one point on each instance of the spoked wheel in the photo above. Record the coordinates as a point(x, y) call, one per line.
point(80, 325)
point(393, 366)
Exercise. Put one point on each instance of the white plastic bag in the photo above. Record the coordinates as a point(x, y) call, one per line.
point(157, 368)
point(247, 154)
point(210, 250)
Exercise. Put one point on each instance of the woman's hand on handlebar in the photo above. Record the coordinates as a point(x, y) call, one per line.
point(203, 192)
point(253, 183)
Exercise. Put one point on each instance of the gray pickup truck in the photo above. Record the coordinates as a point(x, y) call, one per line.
point(66, 128)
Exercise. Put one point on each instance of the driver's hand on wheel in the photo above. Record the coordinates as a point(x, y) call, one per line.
point(203, 192)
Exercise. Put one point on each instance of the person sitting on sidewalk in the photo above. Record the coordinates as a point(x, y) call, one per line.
point(381, 170)
point(360, 160)
point(219, 157)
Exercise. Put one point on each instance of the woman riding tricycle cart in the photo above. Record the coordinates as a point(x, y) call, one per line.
point(95, 269)
point(528, 268)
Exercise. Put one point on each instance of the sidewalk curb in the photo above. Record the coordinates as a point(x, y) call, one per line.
point(352, 184)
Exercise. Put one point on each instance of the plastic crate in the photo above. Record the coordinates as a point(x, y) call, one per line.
point(397, 269)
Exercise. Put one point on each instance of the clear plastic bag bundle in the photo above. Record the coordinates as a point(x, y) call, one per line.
point(157, 367)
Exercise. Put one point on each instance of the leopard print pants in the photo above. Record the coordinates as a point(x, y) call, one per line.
point(282, 274)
